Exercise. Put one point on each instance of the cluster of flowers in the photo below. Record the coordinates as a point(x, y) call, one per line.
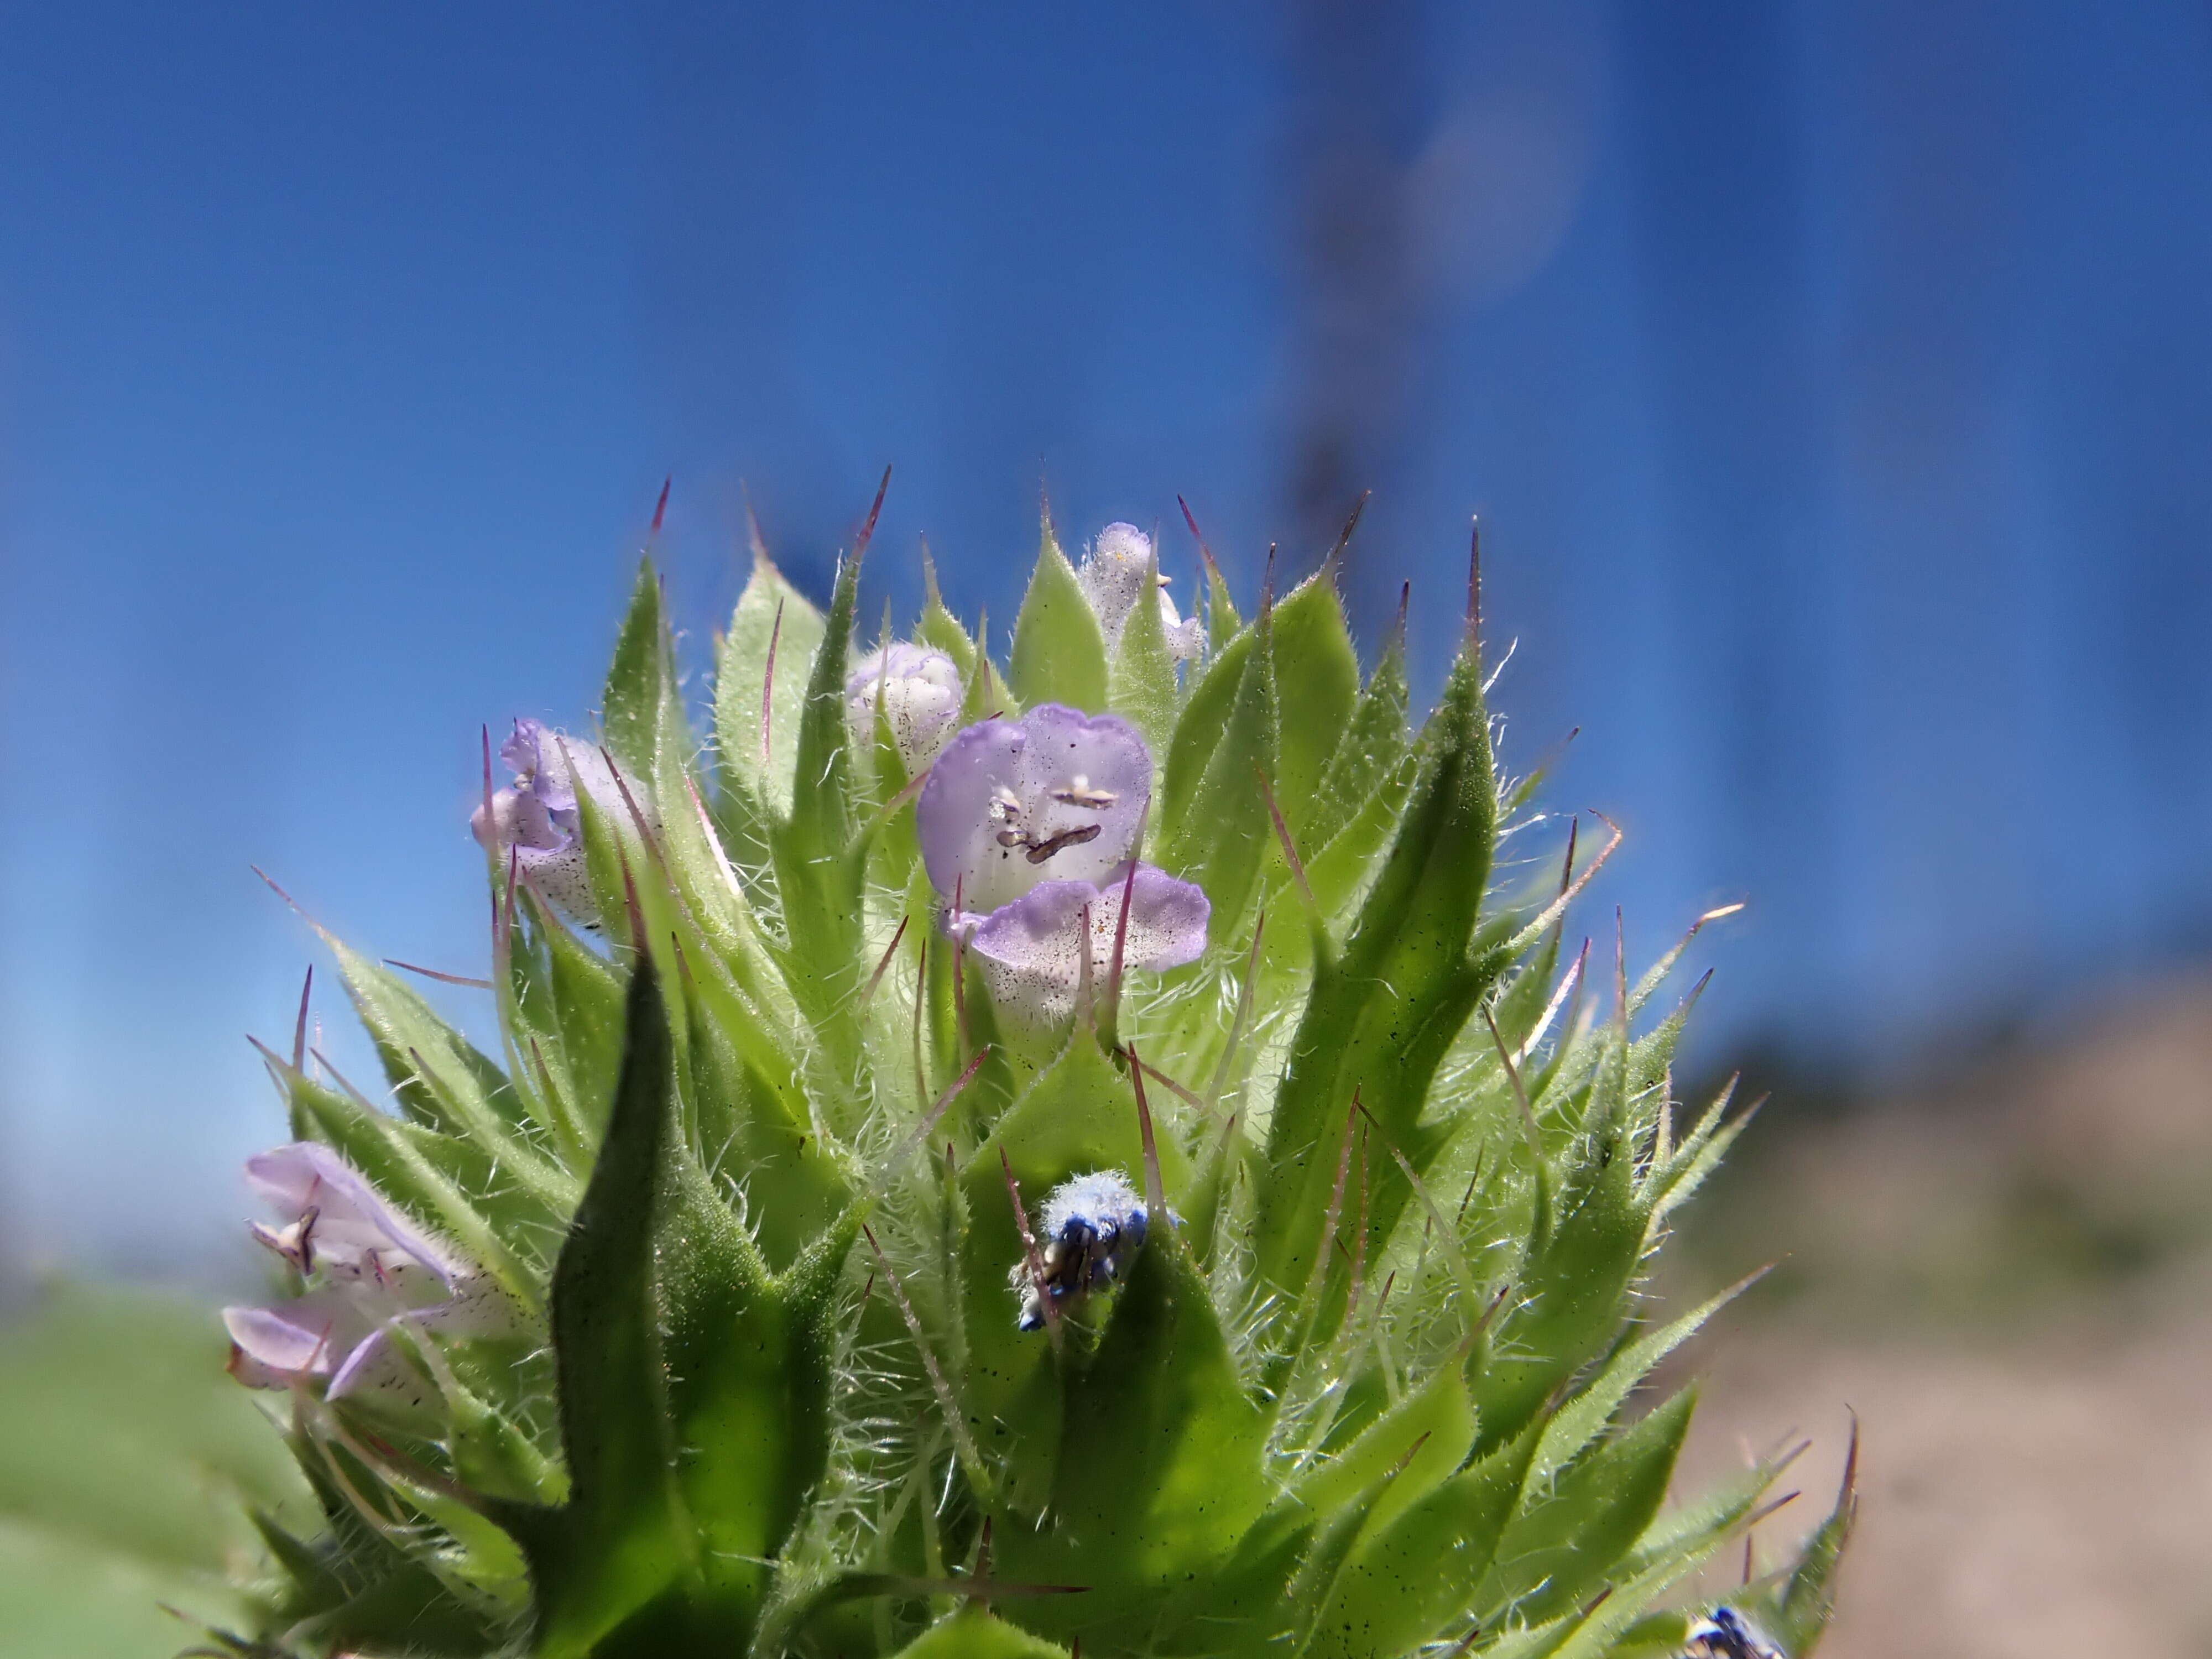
point(1030, 831)
point(374, 1282)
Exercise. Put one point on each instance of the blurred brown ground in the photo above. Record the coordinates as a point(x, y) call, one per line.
point(2006, 1272)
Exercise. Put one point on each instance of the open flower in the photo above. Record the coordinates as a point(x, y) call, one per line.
point(1027, 827)
point(1056, 795)
point(1114, 576)
point(369, 1269)
point(538, 817)
point(919, 691)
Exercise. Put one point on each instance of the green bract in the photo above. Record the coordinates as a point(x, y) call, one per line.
point(754, 1167)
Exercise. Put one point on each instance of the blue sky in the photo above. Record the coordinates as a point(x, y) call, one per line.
point(1832, 380)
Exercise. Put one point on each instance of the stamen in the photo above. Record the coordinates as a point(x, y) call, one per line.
point(1078, 793)
point(1040, 850)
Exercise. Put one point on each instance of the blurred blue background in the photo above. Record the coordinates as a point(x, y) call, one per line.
point(1832, 378)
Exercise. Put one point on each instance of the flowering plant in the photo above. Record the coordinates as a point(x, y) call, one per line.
point(1097, 1154)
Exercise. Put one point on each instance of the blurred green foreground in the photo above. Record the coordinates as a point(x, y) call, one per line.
point(125, 1452)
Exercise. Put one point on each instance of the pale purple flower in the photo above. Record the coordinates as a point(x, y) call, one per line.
point(919, 691)
point(1027, 826)
point(1056, 795)
point(1114, 576)
point(538, 818)
point(368, 1270)
point(1033, 950)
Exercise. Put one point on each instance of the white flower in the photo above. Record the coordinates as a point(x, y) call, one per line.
point(921, 693)
point(1114, 576)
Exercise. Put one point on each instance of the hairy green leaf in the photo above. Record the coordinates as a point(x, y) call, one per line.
point(693, 1398)
point(773, 627)
point(1060, 653)
point(1317, 688)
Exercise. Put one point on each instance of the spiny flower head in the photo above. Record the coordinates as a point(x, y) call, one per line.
point(1087, 1149)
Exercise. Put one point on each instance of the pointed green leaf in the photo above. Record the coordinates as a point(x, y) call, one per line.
point(751, 1141)
point(626, 869)
point(1580, 1421)
point(1141, 684)
point(1221, 839)
point(1079, 1115)
point(1222, 623)
point(693, 1404)
point(987, 695)
point(1060, 653)
point(1337, 870)
point(1429, 1431)
point(1800, 1616)
point(822, 786)
point(1160, 1470)
point(1695, 1159)
point(1317, 686)
point(1382, 1016)
point(1413, 1577)
point(1372, 746)
point(1569, 1296)
point(821, 867)
point(972, 1633)
point(938, 628)
point(443, 1081)
point(1357, 804)
point(771, 615)
point(1566, 1541)
point(631, 713)
point(1686, 1534)
point(492, 1454)
point(581, 1034)
point(1197, 730)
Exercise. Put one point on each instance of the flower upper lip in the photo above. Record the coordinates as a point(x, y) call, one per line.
point(1056, 795)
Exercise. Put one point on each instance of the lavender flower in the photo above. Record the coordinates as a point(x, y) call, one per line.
point(1057, 795)
point(1114, 577)
point(538, 818)
point(1028, 826)
point(368, 1268)
point(919, 689)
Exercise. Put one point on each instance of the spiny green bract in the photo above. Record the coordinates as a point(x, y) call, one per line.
point(748, 1176)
